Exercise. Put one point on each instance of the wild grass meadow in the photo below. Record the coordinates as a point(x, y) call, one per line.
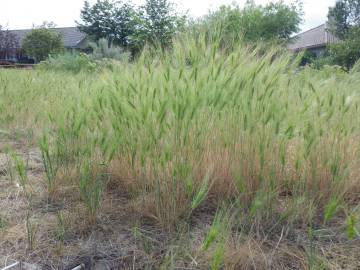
point(198, 158)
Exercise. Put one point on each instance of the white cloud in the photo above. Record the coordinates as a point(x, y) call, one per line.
point(24, 13)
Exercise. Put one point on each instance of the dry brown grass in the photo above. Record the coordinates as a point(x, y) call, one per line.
point(112, 241)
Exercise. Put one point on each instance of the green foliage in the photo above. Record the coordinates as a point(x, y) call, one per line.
point(337, 17)
point(101, 50)
point(262, 127)
point(308, 57)
point(343, 17)
point(91, 187)
point(21, 170)
point(31, 230)
point(61, 229)
point(69, 62)
point(344, 22)
point(113, 21)
point(272, 22)
point(122, 24)
point(9, 165)
point(217, 231)
point(322, 62)
point(201, 194)
point(50, 165)
point(356, 67)
point(346, 52)
point(160, 22)
point(3, 222)
point(218, 256)
point(217, 236)
point(352, 223)
point(331, 208)
point(42, 42)
point(350, 226)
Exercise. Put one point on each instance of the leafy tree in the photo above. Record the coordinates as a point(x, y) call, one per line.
point(344, 22)
point(337, 20)
point(114, 21)
point(343, 16)
point(42, 42)
point(9, 43)
point(127, 21)
point(274, 21)
point(346, 52)
point(98, 19)
point(161, 22)
point(122, 24)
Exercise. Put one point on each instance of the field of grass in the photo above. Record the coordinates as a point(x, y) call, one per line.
point(198, 159)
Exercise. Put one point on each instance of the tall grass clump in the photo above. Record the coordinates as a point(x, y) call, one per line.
point(91, 185)
point(265, 132)
point(50, 166)
point(203, 123)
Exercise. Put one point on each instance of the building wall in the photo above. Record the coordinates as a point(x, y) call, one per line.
point(10, 55)
point(83, 45)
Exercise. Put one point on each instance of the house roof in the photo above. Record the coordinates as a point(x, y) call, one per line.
point(71, 36)
point(313, 38)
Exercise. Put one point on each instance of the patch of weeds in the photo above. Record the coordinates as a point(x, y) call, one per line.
point(9, 167)
point(143, 240)
point(217, 237)
point(3, 222)
point(21, 170)
point(50, 166)
point(31, 230)
point(91, 186)
point(61, 227)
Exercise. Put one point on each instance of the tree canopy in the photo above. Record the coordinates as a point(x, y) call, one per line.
point(161, 22)
point(42, 42)
point(274, 21)
point(121, 23)
point(343, 16)
point(114, 21)
point(346, 52)
point(344, 22)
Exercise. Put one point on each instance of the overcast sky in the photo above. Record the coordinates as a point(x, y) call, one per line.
point(20, 14)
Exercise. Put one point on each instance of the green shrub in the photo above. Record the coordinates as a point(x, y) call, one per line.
point(69, 62)
point(102, 50)
point(41, 42)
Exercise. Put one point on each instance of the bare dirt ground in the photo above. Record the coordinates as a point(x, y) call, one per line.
point(123, 239)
